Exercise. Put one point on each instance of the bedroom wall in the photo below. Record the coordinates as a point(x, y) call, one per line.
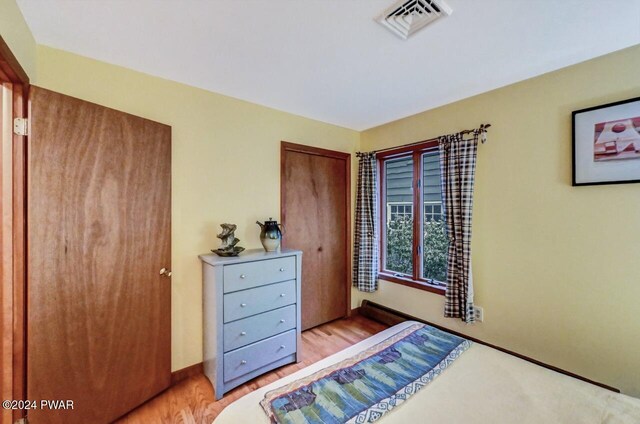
point(555, 266)
point(225, 165)
point(17, 35)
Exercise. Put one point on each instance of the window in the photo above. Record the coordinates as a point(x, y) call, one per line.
point(399, 210)
point(399, 192)
point(414, 248)
point(432, 211)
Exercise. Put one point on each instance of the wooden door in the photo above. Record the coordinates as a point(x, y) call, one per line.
point(98, 310)
point(13, 81)
point(315, 209)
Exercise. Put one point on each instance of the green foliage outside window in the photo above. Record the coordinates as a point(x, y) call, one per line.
point(400, 248)
point(400, 245)
point(436, 246)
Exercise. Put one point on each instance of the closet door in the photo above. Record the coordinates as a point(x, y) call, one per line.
point(315, 209)
point(98, 309)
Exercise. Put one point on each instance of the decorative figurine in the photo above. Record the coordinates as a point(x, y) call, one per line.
point(270, 235)
point(229, 241)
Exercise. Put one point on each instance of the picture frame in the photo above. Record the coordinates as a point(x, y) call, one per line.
point(606, 144)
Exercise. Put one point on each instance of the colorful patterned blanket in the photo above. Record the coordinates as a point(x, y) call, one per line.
point(363, 388)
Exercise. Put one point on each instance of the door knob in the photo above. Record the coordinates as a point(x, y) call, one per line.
point(165, 272)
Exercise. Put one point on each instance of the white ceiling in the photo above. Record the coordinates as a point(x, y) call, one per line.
point(328, 59)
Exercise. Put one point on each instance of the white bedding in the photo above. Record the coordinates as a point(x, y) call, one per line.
point(482, 386)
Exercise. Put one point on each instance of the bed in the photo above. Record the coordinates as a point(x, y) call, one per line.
point(482, 385)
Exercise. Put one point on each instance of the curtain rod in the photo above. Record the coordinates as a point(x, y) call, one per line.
point(481, 130)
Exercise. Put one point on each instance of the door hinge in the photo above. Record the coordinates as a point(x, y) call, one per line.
point(21, 126)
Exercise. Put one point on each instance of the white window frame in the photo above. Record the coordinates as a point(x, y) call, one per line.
point(405, 204)
point(432, 203)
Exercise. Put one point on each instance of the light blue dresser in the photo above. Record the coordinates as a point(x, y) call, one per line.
point(251, 315)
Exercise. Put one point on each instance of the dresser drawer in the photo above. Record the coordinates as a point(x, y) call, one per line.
point(258, 273)
point(249, 330)
point(257, 355)
point(260, 299)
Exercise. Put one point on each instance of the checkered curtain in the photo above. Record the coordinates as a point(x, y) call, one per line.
point(366, 254)
point(457, 167)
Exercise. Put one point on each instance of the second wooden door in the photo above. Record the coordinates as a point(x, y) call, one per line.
point(99, 231)
point(315, 203)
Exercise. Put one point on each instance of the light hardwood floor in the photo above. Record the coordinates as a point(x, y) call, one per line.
point(191, 401)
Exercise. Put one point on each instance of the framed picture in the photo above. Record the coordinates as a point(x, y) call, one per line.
point(606, 144)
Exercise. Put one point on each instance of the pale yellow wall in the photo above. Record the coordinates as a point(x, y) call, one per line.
point(225, 165)
point(16, 34)
point(556, 267)
point(557, 280)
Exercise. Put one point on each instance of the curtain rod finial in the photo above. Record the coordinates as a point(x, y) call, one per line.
point(483, 132)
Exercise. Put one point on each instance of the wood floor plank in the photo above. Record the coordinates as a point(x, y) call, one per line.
point(192, 401)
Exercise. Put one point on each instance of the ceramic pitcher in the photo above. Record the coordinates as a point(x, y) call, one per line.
point(270, 235)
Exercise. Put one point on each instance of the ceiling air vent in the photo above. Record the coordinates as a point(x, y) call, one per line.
point(407, 16)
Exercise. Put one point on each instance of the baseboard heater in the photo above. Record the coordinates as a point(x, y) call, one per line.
point(389, 316)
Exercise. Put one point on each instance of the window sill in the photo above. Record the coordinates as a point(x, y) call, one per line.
point(420, 285)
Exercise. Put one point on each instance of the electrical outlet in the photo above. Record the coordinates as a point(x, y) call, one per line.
point(478, 312)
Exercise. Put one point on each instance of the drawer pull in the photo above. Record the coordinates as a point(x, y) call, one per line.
point(242, 305)
point(281, 321)
point(243, 333)
point(281, 269)
point(243, 276)
point(243, 362)
point(282, 294)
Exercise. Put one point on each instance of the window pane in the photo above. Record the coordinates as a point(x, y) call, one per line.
point(399, 206)
point(435, 242)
